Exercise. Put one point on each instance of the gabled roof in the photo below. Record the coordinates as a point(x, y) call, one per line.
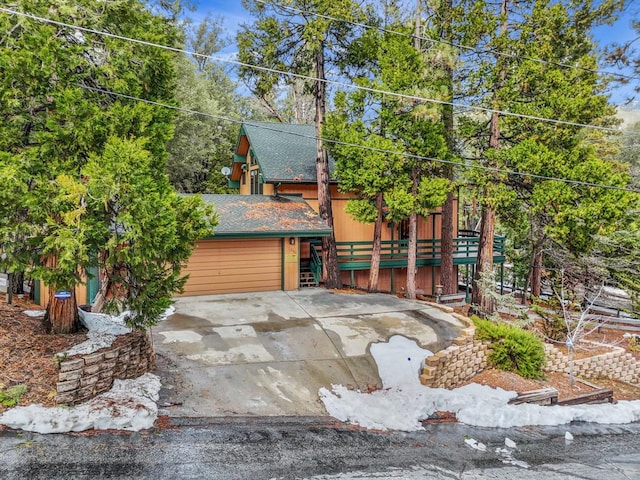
point(242, 216)
point(285, 152)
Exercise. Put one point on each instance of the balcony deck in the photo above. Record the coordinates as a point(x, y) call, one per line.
point(394, 253)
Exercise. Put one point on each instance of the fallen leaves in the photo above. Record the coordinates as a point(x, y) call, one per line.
point(27, 354)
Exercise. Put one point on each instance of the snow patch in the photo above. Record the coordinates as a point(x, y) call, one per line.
point(506, 456)
point(476, 445)
point(129, 405)
point(34, 313)
point(404, 401)
point(103, 330)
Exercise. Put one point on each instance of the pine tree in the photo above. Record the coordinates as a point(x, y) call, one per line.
point(298, 36)
point(53, 223)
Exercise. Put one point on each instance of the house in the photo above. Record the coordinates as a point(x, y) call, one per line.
point(276, 161)
point(256, 246)
point(269, 234)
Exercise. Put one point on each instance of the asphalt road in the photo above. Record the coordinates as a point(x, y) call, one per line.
point(283, 448)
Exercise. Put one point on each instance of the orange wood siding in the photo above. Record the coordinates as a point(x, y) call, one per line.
point(230, 266)
point(291, 263)
point(361, 279)
point(309, 191)
point(81, 293)
point(267, 189)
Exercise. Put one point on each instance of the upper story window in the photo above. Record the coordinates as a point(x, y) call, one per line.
point(256, 184)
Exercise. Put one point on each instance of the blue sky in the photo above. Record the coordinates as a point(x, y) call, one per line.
point(233, 14)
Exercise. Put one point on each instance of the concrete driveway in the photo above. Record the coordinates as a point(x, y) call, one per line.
point(268, 353)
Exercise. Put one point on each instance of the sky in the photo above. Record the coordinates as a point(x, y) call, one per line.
point(233, 14)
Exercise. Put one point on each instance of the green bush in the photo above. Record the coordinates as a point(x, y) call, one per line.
point(11, 396)
point(512, 348)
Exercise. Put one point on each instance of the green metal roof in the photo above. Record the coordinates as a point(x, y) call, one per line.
point(284, 152)
point(244, 216)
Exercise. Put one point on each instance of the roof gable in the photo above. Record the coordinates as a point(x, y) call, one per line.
point(284, 152)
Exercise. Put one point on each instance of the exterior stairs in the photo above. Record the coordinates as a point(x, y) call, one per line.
point(306, 277)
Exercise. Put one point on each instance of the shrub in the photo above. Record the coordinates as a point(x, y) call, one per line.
point(512, 348)
point(11, 396)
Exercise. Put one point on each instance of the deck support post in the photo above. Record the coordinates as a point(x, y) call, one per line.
point(466, 283)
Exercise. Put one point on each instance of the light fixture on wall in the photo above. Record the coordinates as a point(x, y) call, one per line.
point(292, 241)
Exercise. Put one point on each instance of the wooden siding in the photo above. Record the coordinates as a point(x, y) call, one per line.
point(392, 280)
point(231, 266)
point(291, 263)
point(45, 291)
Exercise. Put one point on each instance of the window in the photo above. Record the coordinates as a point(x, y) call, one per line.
point(256, 184)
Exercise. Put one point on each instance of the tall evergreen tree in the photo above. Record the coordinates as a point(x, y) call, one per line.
point(62, 144)
point(299, 37)
point(407, 185)
point(566, 215)
point(530, 40)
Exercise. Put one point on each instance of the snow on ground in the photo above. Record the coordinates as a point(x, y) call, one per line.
point(103, 330)
point(34, 313)
point(129, 405)
point(403, 401)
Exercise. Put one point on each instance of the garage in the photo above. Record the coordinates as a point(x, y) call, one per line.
point(234, 265)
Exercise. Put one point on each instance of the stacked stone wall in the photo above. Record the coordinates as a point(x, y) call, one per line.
point(82, 377)
point(457, 363)
point(451, 367)
point(617, 364)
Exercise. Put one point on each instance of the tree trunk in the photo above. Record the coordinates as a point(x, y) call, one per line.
point(329, 252)
point(412, 254)
point(485, 260)
point(62, 314)
point(374, 271)
point(448, 278)
point(572, 376)
point(536, 270)
point(9, 288)
point(413, 243)
point(18, 283)
point(484, 263)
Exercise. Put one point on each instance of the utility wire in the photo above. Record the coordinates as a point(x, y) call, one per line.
point(309, 77)
point(450, 44)
point(364, 147)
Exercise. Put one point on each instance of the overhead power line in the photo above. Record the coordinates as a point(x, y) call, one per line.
point(365, 147)
point(450, 44)
point(309, 77)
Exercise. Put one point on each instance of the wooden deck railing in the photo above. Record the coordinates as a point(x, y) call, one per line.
point(394, 253)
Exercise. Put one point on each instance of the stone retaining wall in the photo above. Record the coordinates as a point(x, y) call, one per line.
point(464, 359)
point(82, 377)
point(467, 357)
point(617, 364)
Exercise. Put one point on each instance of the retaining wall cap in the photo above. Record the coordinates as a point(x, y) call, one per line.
point(464, 319)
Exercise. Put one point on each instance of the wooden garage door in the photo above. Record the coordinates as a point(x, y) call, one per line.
point(231, 266)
